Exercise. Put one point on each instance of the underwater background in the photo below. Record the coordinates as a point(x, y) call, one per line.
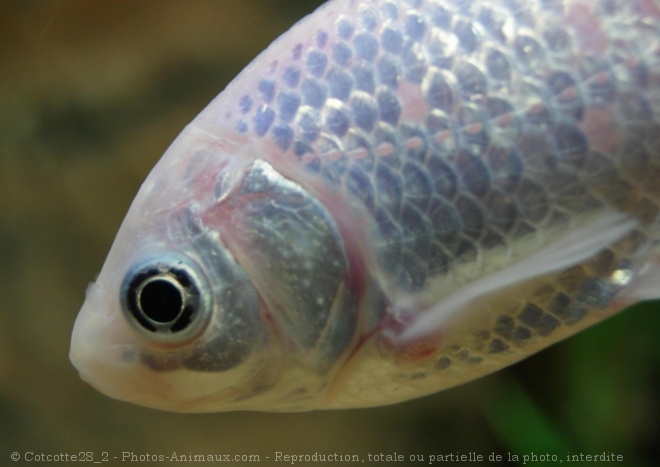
point(91, 95)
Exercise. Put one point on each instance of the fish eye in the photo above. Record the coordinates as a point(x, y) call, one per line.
point(164, 298)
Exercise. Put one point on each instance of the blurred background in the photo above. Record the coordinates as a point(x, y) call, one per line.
point(91, 94)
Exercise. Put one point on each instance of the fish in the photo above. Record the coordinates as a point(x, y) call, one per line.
point(394, 198)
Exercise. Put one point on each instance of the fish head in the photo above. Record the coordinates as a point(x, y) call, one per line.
point(225, 279)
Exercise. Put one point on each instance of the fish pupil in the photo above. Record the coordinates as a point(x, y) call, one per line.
point(164, 298)
point(161, 299)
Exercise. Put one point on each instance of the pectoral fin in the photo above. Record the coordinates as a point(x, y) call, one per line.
point(569, 250)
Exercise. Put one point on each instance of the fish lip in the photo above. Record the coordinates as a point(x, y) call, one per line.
point(101, 345)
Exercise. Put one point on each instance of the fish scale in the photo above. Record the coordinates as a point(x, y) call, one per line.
point(482, 113)
point(398, 196)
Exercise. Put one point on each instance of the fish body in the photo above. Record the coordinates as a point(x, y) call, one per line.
point(396, 197)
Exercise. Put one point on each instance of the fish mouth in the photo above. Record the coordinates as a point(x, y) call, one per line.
point(103, 349)
point(108, 354)
point(110, 365)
